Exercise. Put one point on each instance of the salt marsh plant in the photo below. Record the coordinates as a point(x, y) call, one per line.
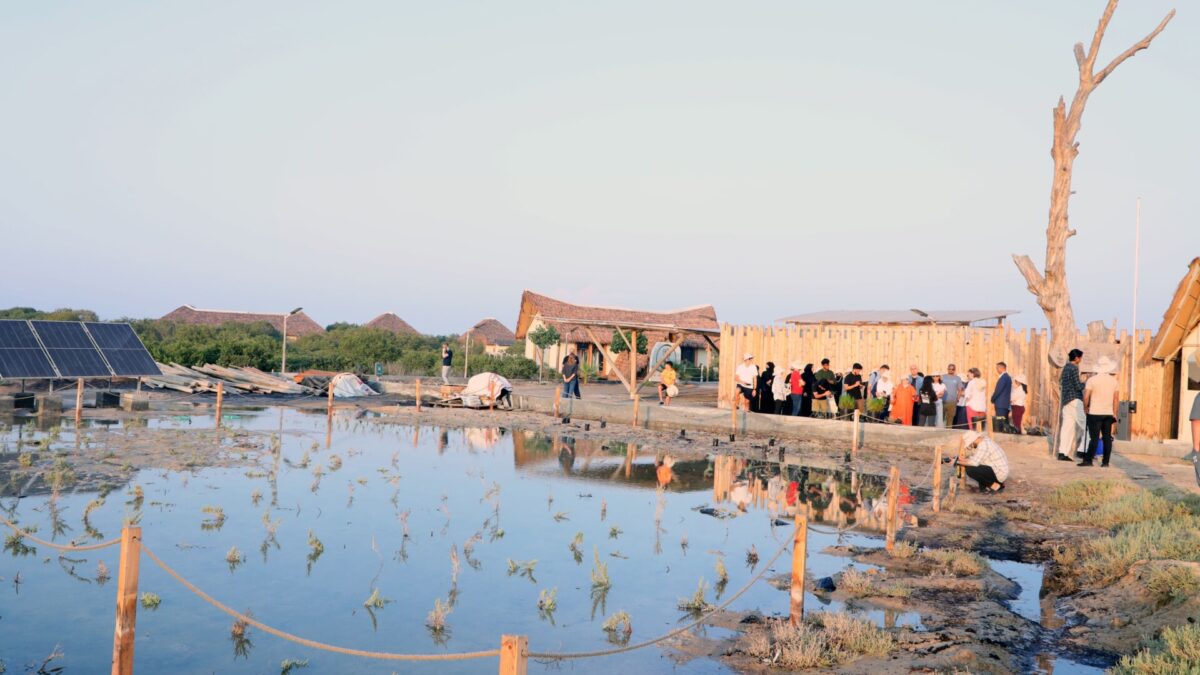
point(903, 549)
point(619, 627)
point(1173, 584)
point(524, 568)
point(256, 496)
point(752, 557)
point(215, 520)
point(603, 509)
point(697, 603)
point(101, 572)
point(435, 621)
point(576, 547)
point(1177, 650)
point(560, 516)
point(234, 557)
point(956, 562)
point(614, 532)
point(375, 600)
point(335, 462)
point(454, 564)
point(823, 640)
point(241, 641)
point(15, 543)
point(600, 580)
point(469, 550)
point(150, 600)
point(286, 666)
point(722, 573)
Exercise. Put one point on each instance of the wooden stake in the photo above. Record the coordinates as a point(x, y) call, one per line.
point(636, 402)
point(127, 599)
point(733, 413)
point(491, 396)
point(514, 655)
point(557, 398)
point(854, 442)
point(893, 502)
point(937, 479)
point(418, 395)
point(989, 426)
point(220, 401)
point(962, 475)
point(799, 560)
point(633, 363)
point(630, 455)
point(78, 403)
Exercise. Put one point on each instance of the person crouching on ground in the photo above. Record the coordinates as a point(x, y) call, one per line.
point(986, 462)
point(666, 384)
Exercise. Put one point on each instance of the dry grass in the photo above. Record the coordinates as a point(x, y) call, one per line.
point(436, 619)
point(619, 627)
point(903, 549)
point(600, 580)
point(824, 640)
point(696, 603)
point(862, 585)
point(1173, 584)
point(957, 562)
point(968, 508)
point(1177, 650)
point(1110, 504)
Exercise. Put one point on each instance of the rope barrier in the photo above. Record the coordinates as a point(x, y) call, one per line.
point(673, 633)
point(60, 547)
point(385, 656)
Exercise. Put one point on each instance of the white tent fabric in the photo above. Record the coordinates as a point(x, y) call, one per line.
point(485, 384)
point(347, 385)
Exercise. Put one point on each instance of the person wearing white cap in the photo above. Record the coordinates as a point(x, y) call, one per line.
point(745, 377)
point(987, 464)
point(1100, 395)
point(1020, 392)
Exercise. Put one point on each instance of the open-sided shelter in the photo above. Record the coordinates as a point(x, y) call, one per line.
point(589, 331)
point(1177, 347)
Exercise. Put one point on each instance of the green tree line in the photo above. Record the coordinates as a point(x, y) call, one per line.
point(343, 347)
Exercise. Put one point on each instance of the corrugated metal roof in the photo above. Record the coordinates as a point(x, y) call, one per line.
point(900, 316)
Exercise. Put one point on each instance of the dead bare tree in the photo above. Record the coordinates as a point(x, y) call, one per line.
point(1050, 289)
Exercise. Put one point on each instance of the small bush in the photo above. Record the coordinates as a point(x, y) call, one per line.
point(1106, 559)
point(1087, 494)
point(1177, 650)
point(824, 640)
point(696, 603)
point(957, 562)
point(150, 600)
point(969, 508)
point(1173, 584)
point(903, 550)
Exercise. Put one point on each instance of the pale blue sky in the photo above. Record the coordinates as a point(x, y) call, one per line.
point(436, 158)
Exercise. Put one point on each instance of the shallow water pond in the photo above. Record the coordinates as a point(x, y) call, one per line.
point(480, 520)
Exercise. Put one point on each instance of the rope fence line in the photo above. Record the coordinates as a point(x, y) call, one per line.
point(462, 656)
point(666, 636)
point(25, 534)
point(385, 656)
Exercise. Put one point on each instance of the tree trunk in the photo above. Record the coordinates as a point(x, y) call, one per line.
point(1050, 288)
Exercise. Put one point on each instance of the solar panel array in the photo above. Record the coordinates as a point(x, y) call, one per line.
point(53, 349)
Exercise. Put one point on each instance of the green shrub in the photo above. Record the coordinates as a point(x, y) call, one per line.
point(1177, 650)
point(847, 402)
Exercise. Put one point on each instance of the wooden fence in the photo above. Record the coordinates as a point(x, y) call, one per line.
point(932, 348)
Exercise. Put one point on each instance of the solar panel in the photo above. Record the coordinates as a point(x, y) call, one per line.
point(53, 349)
point(122, 349)
point(20, 353)
point(70, 349)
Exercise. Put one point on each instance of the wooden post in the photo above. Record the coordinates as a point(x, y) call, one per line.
point(989, 421)
point(737, 400)
point(937, 479)
point(854, 442)
point(78, 404)
point(514, 655)
point(893, 502)
point(127, 599)
point(220, 401)
point(633, 363)
point(962, 475)
point(630, 455)
point(491, 396)
point(799, 559)
point(557, 398)
point(636, 402)
point(418, 396)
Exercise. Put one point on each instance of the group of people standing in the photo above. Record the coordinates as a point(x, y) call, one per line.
point(944, 400)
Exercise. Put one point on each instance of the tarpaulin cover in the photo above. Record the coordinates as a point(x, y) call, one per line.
point(347, 385)
point(481, 385)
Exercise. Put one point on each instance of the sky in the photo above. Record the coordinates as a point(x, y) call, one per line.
point(435, 159)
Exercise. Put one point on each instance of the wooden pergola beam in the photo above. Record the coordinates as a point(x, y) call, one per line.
point(616, 371)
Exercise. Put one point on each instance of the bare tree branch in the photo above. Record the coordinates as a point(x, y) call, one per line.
point(1080, 56)
point(1033, 278)
point(1142, 44)
point(1099, 35)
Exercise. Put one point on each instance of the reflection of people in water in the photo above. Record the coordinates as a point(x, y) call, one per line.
point(664, 468)
point(566, 454)
point(740, 495)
